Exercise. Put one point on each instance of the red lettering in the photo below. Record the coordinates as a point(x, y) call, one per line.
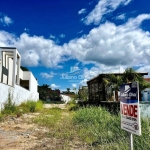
point(129, 110)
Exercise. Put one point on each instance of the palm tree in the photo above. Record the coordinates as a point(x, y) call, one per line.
point(112, 84)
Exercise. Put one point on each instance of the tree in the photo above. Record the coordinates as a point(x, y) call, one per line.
point(24, 68)
point(68, 90)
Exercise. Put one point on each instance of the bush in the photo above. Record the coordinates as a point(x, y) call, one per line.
point(31, 106)
point(73, 105)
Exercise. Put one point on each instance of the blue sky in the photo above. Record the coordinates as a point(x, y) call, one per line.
point(65, 43)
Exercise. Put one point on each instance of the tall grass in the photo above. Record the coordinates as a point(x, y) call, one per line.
point(9, 106)
point(99, 128)
point(29, 106)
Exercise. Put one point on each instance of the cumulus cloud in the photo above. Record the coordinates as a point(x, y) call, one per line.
point(47, 75)
point(82, 11)
point(107, 46)
point(35, 50)
point(54, 86)
point(110, 45)
point(102, 8)
point(5, 20)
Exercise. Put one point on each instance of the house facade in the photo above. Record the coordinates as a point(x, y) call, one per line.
point(22, 85)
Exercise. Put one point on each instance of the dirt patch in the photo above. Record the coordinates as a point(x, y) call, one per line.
point(22, 134)
point(61, 106)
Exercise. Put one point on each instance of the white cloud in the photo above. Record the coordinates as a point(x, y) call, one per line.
point(52, 36)
point(108, 46)
point(111, 45)
point(35, 50)
point(62, 35)
point(74, 85)
point(47, 75)
point(145, 68)
point(121, 17)
point(5, 20)
point(82, 11)
point(54, 86)
point(102, 8)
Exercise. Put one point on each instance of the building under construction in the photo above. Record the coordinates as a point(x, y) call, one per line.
point(97, 90)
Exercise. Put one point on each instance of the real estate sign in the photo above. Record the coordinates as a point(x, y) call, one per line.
point(129, 108)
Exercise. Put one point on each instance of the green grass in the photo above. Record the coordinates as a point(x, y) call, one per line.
point(90, 127)
point(49, 117)
point(30, 106)
point(98, 127)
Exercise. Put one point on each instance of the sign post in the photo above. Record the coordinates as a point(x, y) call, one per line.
point(129, 108)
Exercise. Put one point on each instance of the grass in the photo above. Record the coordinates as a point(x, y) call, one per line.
point(29, 106)
point(89, 128)
point(98, 127)
point(48, 117)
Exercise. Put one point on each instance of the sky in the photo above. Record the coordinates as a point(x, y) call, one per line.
point(66, 43)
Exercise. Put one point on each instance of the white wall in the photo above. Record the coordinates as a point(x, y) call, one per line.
point(20, 73)
point(65, 98)
point(10, 72)
point(33, 83)
point(19, 94)
point(26, 75)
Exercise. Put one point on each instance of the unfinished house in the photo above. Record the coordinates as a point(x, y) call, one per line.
point(98, 92)
point(21, 84)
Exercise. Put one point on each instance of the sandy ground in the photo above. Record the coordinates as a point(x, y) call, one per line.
point(21, 134)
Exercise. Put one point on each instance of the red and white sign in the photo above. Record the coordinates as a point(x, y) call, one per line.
point(129, 108)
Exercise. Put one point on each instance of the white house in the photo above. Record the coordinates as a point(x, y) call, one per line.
point(21, 84)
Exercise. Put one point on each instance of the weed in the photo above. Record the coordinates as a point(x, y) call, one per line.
point(48, 117)
point(31, 106)
point(73, 105)
point(9, 106)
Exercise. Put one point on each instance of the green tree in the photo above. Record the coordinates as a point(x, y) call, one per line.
point(68, 90)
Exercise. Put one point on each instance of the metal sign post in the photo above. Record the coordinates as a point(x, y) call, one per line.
point(131, 141)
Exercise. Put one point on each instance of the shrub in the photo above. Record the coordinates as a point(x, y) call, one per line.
point(31, 106)
point(73, 105)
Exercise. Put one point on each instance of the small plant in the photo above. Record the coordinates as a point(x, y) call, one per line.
point(48, 117)
point(9, 106)
point(73, 105)
point(31, 106)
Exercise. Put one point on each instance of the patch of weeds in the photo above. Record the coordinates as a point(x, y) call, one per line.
point(98, 127)
point(9, 106)
point(31, 106)
point(48, 117)
point(72, 105)
point(1, 116)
